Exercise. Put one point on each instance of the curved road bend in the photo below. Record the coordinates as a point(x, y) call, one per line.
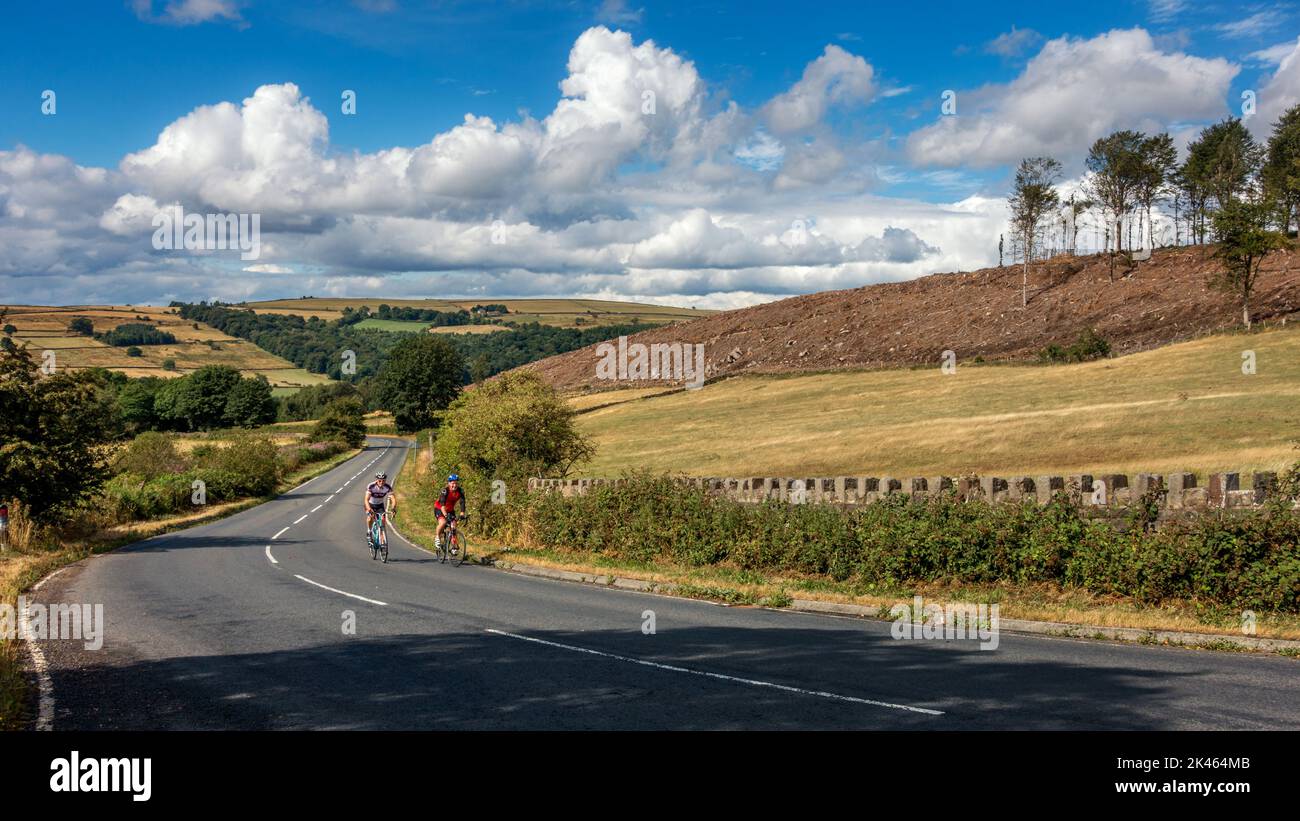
point(240, 624)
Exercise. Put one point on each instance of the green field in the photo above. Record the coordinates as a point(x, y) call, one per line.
point(1185, 407)
point(43, 328)
point(564, 313)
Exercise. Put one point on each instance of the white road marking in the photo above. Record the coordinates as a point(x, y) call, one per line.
point(269, 556)
point(300, 518)
point(721, 676)
point(276, 536)
point(45, 709)
point(331, 496)
point(341, 592)
point(318, 507)
point(42, 582)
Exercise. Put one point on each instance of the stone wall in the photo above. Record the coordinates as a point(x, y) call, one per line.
point(1173, 492)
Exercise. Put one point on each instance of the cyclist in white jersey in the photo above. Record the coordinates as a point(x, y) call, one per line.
point(378, 493)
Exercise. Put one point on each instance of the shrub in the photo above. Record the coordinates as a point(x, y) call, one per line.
point(342, 421)
point(1219, 560)
point(1088, 346)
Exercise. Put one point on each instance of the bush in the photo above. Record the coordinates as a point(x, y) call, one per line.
point(511, 428)
point(342, 421)
point(1087, 347)
point(134, 351)
point(1239, 560)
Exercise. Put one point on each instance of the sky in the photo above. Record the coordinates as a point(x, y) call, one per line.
point(706, 154)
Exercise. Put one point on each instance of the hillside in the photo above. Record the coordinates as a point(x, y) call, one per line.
point(44, 328)
point(1163, 300)
point(1181, 407)
point(561, 313)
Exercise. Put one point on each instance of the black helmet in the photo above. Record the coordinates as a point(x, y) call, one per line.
point(381, 476)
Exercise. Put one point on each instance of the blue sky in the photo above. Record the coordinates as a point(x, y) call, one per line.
point(124, 72)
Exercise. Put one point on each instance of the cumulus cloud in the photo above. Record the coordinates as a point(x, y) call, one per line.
point(1072, 92)
point(1279, 92)
point(835, 78)
point(719, 211)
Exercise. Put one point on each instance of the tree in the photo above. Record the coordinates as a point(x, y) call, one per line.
point(1281, 170)
point(1115, 176)
point(197, 401)
point(54, 442)
point(1244, 242)
point(481, 368)
point(422, 376)
point(342, 421)
point(10, 329)
point(135, 403)
point(81, 325)
point(511, 428)
point(1234, 159)
point(1158, 159)
point(250, 403)
point(1032, 199)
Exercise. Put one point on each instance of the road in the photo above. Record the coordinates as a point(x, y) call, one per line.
point(240, 624)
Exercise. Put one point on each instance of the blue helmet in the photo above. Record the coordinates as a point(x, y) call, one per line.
point(453, 478)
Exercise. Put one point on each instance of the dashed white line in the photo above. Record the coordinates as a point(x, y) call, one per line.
point(722, 676)
point(276, 536)
point(318, 507)
point(331, 496)
point(300, 518)
point(340, 592)
point(269, 556)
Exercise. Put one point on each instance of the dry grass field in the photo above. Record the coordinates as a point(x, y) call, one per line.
point(1186, 407)
point(44, 328)
point(563, 313)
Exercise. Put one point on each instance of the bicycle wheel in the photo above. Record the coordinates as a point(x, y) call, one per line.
point(383, 543)
point(462, 548)
point(374, 541)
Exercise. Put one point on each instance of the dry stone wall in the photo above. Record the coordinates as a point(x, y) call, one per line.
point(1173, 491)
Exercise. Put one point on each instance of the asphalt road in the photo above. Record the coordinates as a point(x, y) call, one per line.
point(239, 624)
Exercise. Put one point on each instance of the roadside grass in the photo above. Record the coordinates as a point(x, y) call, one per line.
point(20, 569)
point(1183, 407)
point(1029, 602)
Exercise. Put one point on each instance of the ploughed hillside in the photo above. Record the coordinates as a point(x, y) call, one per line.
point(1165, 299)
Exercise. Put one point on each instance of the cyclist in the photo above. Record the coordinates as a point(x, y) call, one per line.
point(378, 494)
point(445, 508)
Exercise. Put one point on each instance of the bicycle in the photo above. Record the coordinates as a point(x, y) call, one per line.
point(378, 537)
point(453, 544)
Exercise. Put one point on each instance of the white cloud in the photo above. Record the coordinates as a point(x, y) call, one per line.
point(835, 78)
point(1072, 92)
point(189, 12)
point(1279, 92)
point(618, 13)
point(1013, 43)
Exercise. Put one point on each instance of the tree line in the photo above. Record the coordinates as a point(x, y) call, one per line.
point(1228, 189)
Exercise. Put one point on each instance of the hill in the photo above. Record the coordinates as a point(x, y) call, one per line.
point(44, 328)
point(562, 313)
point(1182, 407)
point(977, 314)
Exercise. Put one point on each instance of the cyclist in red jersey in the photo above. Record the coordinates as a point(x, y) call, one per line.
point(445, 507)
